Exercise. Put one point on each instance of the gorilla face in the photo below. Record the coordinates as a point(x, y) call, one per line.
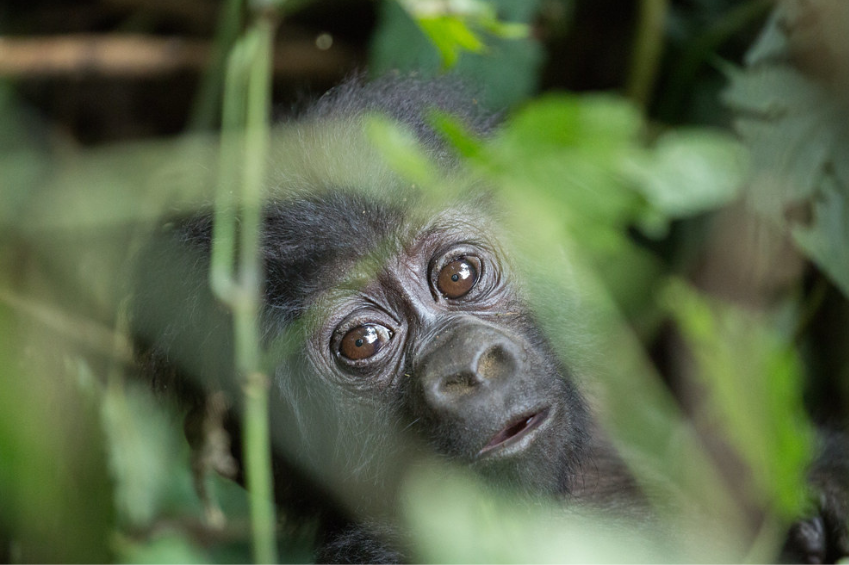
point(393, 331)
point(423, 322)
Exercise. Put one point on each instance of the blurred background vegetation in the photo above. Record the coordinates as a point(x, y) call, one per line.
point(689, 159)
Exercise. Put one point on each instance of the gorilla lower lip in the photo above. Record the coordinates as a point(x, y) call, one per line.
point(515, 431)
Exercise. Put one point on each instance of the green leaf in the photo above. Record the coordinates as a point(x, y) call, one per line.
point(691, 171)
point(454, 519)
point(566, 153)
point(826, 241)
point(583, 156)
point(754, 391)
point(400, 148)
point(792, 115)
point(508, 66)
point(456, 133)
point(592, 122)
point(164, 548)
point(451, 36)
point(144, 454)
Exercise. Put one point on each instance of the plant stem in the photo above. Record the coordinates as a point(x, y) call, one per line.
point(648, 47)
point(229, 26)
point(235, 277)
point(232, 148)
point(248, 358)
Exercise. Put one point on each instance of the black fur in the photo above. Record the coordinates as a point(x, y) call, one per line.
point(337, 243)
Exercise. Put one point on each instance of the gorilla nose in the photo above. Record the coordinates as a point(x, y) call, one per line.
point(465, 359)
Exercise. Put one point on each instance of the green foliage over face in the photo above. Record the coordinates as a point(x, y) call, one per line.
point(584, 156)
point(454, 519)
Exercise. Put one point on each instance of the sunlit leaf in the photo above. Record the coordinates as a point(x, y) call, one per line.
point(451, 36)
point(508, 65)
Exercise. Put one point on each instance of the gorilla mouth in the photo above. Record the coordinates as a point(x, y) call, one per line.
point(515, 431)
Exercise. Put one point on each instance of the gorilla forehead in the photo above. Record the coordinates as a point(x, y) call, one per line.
point(341, 239)
point(304, 238)
point(344, 240)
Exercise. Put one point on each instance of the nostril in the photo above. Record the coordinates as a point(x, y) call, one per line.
point(495, 363)
point(458, 383)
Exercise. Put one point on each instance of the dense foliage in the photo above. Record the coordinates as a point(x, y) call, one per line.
point(686, 245)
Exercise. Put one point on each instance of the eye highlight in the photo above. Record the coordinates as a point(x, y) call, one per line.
point(364, 341)
point(457, 277)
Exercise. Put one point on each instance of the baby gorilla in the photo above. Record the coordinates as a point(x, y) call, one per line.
point(392, 331)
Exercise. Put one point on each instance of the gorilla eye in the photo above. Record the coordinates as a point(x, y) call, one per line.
point(457, 278)
point(364, 341)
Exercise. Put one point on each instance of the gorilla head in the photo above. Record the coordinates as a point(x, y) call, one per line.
point(424, 320)
point(389, 324)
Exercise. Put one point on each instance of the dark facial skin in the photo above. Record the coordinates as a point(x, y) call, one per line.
point(442, 332)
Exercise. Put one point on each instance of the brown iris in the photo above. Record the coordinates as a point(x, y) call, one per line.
point(457, 278)
point(364, 341)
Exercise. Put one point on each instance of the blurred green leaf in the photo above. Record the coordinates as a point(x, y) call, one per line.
point(567, 152)
point(792, 114)
point(145, 456)
point(466, 144)
point(165, 548)
point(55, 496)
point(455, 519)
point(449, 25)
point(584, 157)
point(399, 147)
point(754, 382)
point(826, 241)
point(689, 171)
point(451, 36)
point(507, 65)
